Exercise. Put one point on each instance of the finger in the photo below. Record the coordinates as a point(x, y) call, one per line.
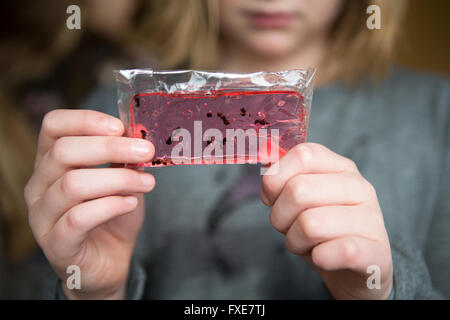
point(67, 236)
point(350, 253)
point(80, 185)
point(303, 158)
point(72, 152)
point(59, 123)
point(318, 190)
point(127, 227)
point(317, 225)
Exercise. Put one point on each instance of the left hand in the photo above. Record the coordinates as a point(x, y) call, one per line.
point(331, 217)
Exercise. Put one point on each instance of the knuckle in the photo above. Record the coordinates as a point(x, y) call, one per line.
point(109, 146)
point(303, 153)
point(367, 187)
point(275, 221)
point(89, 120)
point(291, 245)
point(128, 178)
point(27, 193)
point(350, 165)
point(316, 258)
point(364, 186)
point(370, 188)
point(59, 150)
point(350, 252)
point(48, 123)
point(309, 225)
point(74, 219)
point(298, 189)
point(71, 186)
point(86, 116)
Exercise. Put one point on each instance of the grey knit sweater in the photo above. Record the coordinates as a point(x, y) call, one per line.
point(208, 236)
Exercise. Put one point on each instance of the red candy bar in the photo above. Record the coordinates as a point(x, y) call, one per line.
point(216, 118)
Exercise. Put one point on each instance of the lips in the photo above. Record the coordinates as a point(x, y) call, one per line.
point(270, 20)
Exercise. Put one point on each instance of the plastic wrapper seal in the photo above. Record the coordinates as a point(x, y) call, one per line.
point(199, 117)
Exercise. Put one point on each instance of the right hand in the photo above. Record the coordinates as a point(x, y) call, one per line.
point(82, 215)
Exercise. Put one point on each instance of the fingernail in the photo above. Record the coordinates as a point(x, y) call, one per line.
point(112, 125)
point(141, 148)
point(132, 201)
point(146, 180)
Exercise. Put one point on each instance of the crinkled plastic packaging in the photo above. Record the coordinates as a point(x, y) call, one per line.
point(199, 117)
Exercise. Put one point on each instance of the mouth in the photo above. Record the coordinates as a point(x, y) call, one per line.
point(262, 19)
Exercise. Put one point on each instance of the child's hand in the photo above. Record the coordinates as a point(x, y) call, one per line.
point(82, 215)
point(330, 216)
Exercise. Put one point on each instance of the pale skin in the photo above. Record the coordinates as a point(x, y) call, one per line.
point(84, 216)
point(91, 217)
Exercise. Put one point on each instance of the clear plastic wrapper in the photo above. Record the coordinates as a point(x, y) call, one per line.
point(199, 117)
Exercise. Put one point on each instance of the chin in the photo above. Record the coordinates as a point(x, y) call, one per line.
point(272, 46)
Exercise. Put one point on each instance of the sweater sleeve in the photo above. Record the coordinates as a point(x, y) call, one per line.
point(411, 275)
point(422, 272)
point(437, 250)
point(135, 285)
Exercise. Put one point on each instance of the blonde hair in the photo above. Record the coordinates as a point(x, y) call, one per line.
point(186, 33)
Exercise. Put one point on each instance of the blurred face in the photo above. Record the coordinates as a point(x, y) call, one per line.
point(110, 17)
point(273, 28)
